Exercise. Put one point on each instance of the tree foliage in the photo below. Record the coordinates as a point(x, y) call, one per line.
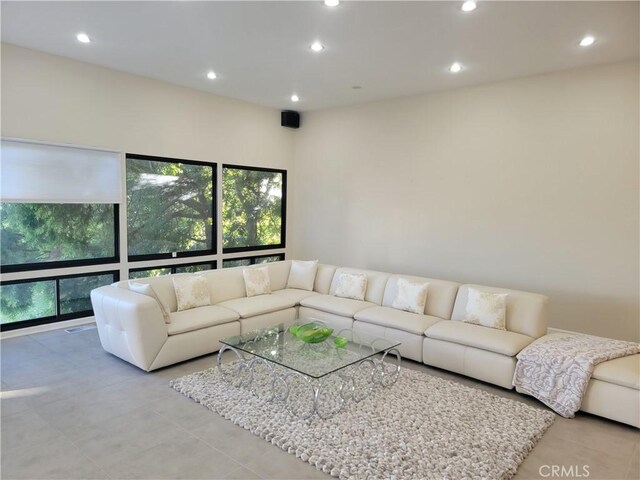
point(251, 207)
point(169, 207)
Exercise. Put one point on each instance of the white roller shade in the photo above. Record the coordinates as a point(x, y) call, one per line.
point(42, 173)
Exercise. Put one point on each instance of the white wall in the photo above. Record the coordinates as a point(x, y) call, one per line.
point(51, 98)
point(530, 184)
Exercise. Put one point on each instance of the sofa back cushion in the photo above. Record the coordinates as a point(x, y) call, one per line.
point(162, 286)
point(225, 284)
point(278, 274)
point(228, 283)
point(376, 282)
point(441, 294)
point(324, 277)
point(527, 313)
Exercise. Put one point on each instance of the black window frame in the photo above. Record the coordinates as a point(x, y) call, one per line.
point(28, 267)
point(252, 259)
point(283, 220)
point(214, 194)
point(173, 267)
point(57, 317)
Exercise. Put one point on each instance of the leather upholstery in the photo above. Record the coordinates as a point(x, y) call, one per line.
point(324, 276)
point(201, 317)
point(623, 371)
point(258, 305)
point(410, 344)
point(294, 294)
point(473, 362)
point(376, 283)
point(491, 339)
point(397, 319)
point(440, 294)
point(526, 312)
point(130, 325)
point(346, 307)
point(337, 322)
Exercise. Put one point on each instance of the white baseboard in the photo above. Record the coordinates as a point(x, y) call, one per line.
point(46, 327)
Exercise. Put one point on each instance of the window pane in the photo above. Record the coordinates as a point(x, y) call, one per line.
point(75, 292)
point(251, 207)
point(240, 262)
point(170, 207)
point(268, 259)
point(152, 272)
point(44, 232)
point(193, 268)
point(26, 301)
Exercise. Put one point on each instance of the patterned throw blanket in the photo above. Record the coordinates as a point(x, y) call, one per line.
point(557, 372)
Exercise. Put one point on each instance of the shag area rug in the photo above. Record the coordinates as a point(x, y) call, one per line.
point(423, 427)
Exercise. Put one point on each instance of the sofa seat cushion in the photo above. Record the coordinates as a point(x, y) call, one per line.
point(200, 317)
point(398, 319)
point(295, 294)
point(490, 339)
point(347, 307)
point(252, 306)
point(623, 371)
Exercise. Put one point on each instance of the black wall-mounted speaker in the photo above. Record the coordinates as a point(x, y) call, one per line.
point(290, 119)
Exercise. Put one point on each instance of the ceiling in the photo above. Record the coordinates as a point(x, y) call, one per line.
point(260, 50)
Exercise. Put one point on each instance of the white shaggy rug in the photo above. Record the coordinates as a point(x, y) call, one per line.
point(423, 427)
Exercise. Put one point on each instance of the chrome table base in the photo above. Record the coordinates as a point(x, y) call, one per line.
point(303, 395)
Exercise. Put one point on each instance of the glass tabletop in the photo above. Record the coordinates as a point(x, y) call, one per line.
point(278, 345)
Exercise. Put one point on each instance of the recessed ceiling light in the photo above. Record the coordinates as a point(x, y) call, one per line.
point(455, 67)
point(317, 47)
point(469, 6)
point(294, 98)
point(586, 41)
point(83, 38)
point(332, 3)
point(211, 75)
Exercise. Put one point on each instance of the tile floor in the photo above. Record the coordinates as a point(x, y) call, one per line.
point(72, 411)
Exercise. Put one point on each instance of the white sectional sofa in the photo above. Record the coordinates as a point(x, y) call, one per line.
point(132, 326)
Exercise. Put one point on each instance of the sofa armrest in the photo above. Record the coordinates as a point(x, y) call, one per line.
point(130, 325)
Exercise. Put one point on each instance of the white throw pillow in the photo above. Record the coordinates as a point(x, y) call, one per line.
point(256, 281)
point(146, 289)
point(411, 296)
point(486, 309)
point(302, 274)
point(191, 291)
point(351, 285)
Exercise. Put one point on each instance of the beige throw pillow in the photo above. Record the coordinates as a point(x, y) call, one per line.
point(351, 285)
point(411, 296)
point(256, 281)
point(146, 289)
point(302, 274)
point(191, 291)
point(486, 309)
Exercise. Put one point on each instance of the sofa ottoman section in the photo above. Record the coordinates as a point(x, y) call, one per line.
point(614, 389)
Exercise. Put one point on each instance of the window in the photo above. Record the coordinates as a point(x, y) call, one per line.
point(246, 261)
point(170, 208)
point(47, 235)
point(253, 208)
point(183, 268)
point(25, 303)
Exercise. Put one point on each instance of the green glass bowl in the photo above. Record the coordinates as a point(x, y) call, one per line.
point(311, 332)
point(340, 342)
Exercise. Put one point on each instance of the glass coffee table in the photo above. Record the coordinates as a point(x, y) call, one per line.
point(317, 378)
